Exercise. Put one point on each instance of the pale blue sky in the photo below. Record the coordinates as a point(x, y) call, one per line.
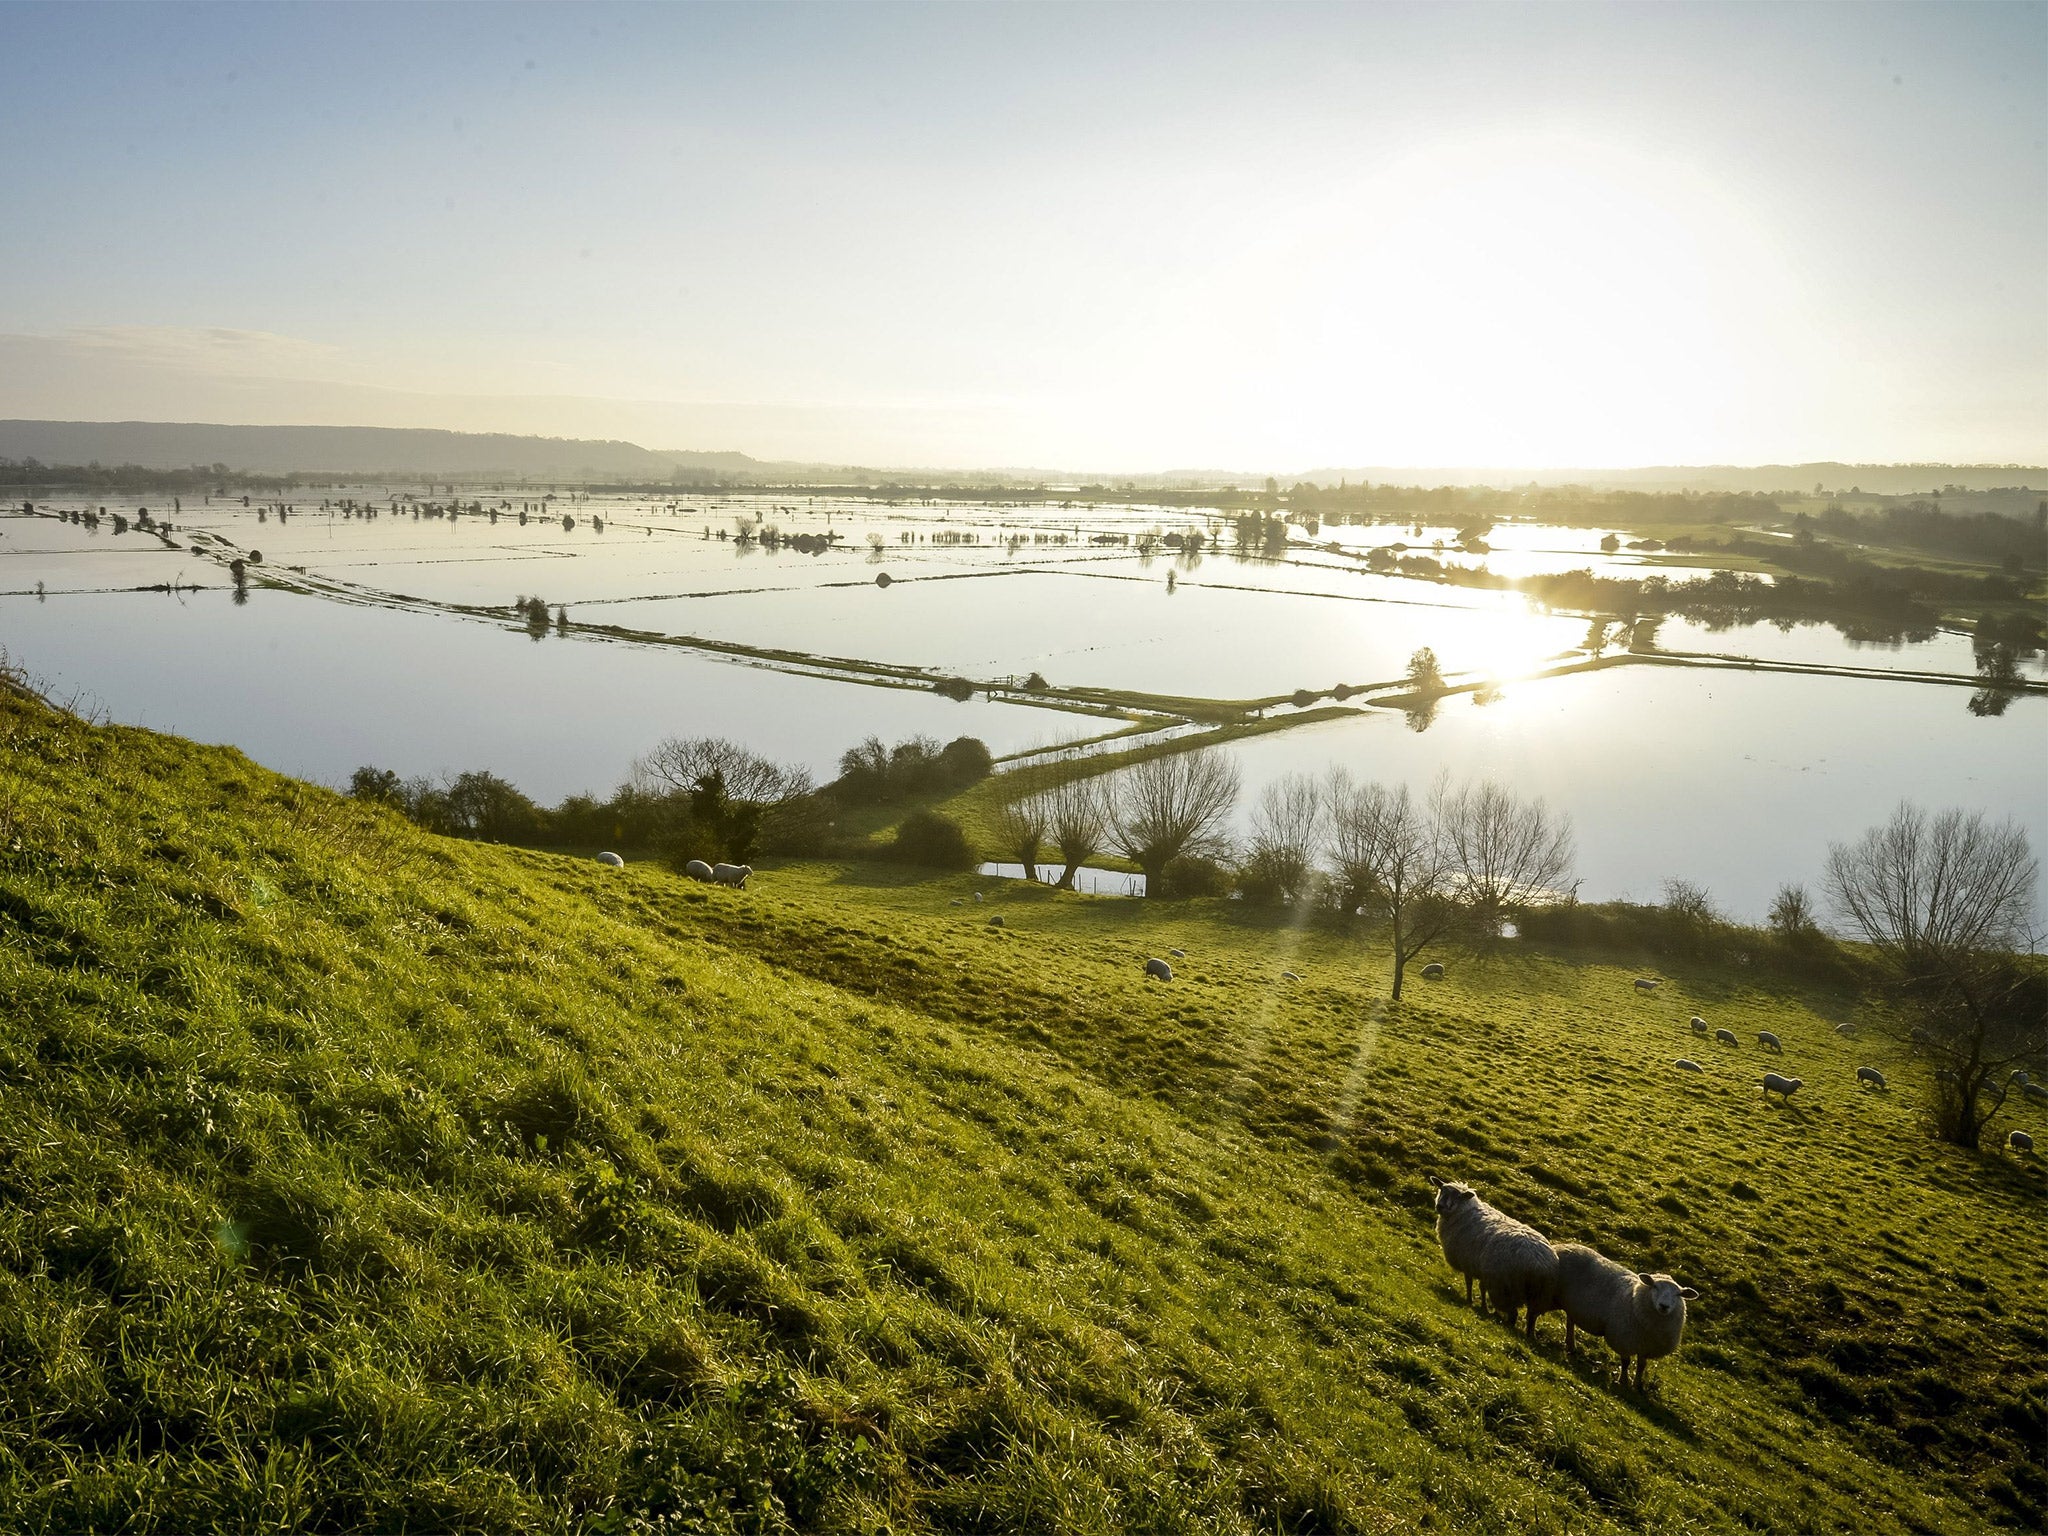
point(1140, 237)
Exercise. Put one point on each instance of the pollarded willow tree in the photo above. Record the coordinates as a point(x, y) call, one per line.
point(1503, 851)
point(1077, 823)
point(1020, 827)
point(1947, 902)
point(1170, 807)
point(1286, 836)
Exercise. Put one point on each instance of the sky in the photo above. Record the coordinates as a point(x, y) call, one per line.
point(1274, 237)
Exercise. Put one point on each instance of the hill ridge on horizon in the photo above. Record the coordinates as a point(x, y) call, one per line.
point(426, 451)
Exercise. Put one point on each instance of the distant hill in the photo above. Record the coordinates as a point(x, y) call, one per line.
point(346, 450)
point(1881, 479)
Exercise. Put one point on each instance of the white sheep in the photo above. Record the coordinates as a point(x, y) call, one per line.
point(697, 869)
point(2035, 1092)
point(731, 874)
point(1645, 985)
point(997, 921)
point(1513, 1263)
point(1158, 968)
point(2019, 1141)
point(1784, 1087)
point(1845, 1029)
point(1687, 1064)
point(979, 897)
point(1699, 1026)
point(1871, 1076)
point(1289, 976)
point(1726, 1037)
point(1434, 971)
point(1640, 1315)
point(611, 861)
point(1769, 1041)
point(1178, 954)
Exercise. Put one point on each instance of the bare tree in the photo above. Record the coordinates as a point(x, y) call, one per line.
point(1020, 830)
point(1077, 821)
point(1502, 850)
point(1287, 831)
point(1947, 901)
point(1171, 807)
point(1792, 911)
point(685, 762)
point(1389, 852)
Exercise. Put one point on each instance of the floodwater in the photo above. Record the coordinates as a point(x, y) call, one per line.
point(1733, 780)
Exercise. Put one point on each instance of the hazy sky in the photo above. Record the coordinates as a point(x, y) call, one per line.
point(1112, 238)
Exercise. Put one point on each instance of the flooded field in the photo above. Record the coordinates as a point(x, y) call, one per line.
point(379, 628)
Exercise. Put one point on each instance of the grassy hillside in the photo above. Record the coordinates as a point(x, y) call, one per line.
point(359, 1179)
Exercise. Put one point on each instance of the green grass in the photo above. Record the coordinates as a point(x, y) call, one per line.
point(357, 1179)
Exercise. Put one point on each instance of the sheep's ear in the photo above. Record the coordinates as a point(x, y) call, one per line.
point(1646, 1277)
point(1435, 1182)
point(1688, 1293)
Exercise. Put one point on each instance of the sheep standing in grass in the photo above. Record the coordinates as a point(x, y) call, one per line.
point(1871, 1076)
point(697, 869)
point(1434, 971)
point(1845, 1029)
point(1513, 1263)
point(2019, 1141)
point(1782, 1086)
point(1641, 1315)
point(1699, 1026)
point(611, 861)
point(1158, 969)
point(1687, 1064)
point(1769, 1041)
point(2035, 1092)
point(1726, 1037)
point(731, 874)
point(1644, 984)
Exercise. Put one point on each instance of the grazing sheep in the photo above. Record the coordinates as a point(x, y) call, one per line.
point(1159, 968)
point(1871, 1076)
point(1514, 1264)
point(979, 897)
point(731, 874)
point(1784, 1087)
point(1845, 1029)
point(1178, 954)
point(697, 869)
point(1769, 1041)
point(1699, 1026)
point(1641, 1315)
point(956, 902)
point(1726, 1037)
point(1434, 971)
point(997, 921)
point(2019, 1141)
point(1289, 976)
point(1644, 985)
point(1687, 1064)
point(2035, 1092)
point(2021, 1077)
point(611, 861)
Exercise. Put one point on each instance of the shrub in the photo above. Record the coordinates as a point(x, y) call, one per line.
point(927, 838)
point(1192, 875)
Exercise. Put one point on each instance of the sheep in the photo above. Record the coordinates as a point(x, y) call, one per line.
point(611, 861)
point(2020, 1076)
point(2019, 1141)
point(1845, 1029)
point(1289, 976)
point(1769, 1041)
point(1726, 1037)
point(1784, 1087)
point(1687, 1064)
point(1871, 1076)
point(1640, 1315)
point(1513, 1263)
point(1645, 985)
point(1178, 954)
point(1434, 971)
point(731, 874)
point(2035, 1092)
point(956, 902)
point(1159, 968)
point(997, 921)
point(979, 898)
point(697, 869)
point(1699, 1026)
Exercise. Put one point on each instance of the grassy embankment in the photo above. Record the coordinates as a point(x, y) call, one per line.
point(360, 1179)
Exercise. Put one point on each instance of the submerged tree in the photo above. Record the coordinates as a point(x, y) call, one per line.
point(1947, 902)
point(1503, 850)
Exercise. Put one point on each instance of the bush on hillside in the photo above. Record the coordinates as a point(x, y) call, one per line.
point(934, 841)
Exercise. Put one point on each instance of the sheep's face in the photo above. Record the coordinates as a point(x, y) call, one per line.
point(1450, 1196)
point(1666, 1294)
